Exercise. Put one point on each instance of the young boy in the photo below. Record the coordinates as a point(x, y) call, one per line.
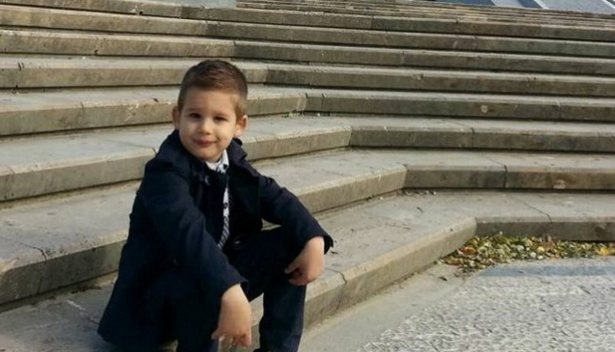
point(196, 252)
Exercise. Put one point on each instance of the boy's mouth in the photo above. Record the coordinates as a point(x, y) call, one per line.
point(204, 143)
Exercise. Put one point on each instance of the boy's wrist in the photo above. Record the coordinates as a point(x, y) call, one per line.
point(317, 242)
point(232, 293)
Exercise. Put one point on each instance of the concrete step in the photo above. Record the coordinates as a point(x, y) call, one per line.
point(425, 58)
point(94, 108)
point(319, 55)
point(53, 72)
point(18, 41)
point(562, 18)
point(45, 165)
point(439, 7)
point(41, 41)
point(42, 251)
point(23, 16)
point(412, 230)
point(424, 8)
point(67, 162)
point(64, 110)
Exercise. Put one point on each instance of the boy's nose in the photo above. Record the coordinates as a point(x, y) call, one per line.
point(206, 125)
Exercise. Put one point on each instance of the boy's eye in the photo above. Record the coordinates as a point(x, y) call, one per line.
point(220, 118)
point(194, 115)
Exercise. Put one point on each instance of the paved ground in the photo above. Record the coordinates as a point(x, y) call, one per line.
point(559, 305)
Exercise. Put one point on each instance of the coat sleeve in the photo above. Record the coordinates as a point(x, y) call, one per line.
point(180, 225)
point(280, 206)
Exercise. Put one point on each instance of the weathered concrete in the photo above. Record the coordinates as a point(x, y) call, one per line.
point(324, 296)
point(427, 8)
point(19, 73)
point(329, 180)
point(24, 41)
point(47, 165)
point(413, 12)
point(92, 43)
point(410, 40)
point(419, 8)
point(435, 22)
point(99, 220)
point(135, 7)
point(468, 105)
point(34, 17)
point(413, 230)
point(364, 322)
point(552, 305)
point(63, 110)
point(61, 163)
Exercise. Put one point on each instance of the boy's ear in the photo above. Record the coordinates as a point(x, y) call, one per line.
point(176, 114)
point(241, 125)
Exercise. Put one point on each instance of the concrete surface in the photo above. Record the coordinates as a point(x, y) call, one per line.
point(94, 108)
point(38, 166)
point(359, 268)
point(63, 110)
point(555, 305)
point(490, 13)
point(145, 7)
point(95, 43)
point(412, 230)
point(350, 329)
point(39, 248)
point(20, 73)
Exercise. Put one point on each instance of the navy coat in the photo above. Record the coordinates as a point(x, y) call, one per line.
point(175, 223)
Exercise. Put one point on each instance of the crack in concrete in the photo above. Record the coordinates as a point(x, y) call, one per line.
point(338, 305)
point(533, 207)
point(505, 183)
point(472, 131)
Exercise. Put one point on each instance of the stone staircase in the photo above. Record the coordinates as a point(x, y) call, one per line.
point(406, 127)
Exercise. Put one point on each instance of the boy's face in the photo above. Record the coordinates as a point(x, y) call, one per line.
point(208, 122)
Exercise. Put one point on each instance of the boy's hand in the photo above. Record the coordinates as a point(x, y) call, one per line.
point(309, 264)
point(235, 321)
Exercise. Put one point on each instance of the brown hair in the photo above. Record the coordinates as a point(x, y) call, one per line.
point(216, 75)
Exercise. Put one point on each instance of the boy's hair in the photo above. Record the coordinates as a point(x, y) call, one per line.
point(216, 75)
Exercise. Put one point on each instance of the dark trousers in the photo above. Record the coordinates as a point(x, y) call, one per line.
point(261, 259)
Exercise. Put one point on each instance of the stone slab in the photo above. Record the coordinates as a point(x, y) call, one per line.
point(20, 41)
point(410, 40)
point(79, 313)
point(46, 17)
point(399, 13)
point(439, 80)
point(562, 174)
point(145, 7)
point(63, 110)
point(549, 305)
point(459, 104)
point(32, 41)
point(133, 7)
point(408, 220)
point(54, 72)
point(95, 232)
point(329, 180)
point(508, 62)
point(68, 162)
point(310, 53)
point(427, 8)
point(46, 165)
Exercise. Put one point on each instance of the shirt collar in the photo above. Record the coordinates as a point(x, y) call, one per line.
point(220, 165)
